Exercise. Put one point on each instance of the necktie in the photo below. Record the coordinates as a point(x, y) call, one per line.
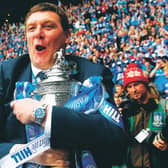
point(41, 76)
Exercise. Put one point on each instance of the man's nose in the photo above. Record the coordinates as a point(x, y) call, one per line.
point(40, 32)
point(133, 88)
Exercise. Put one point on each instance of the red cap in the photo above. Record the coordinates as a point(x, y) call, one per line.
point(133, 74)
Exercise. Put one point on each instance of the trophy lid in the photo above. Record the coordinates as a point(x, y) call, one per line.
point(60, 71)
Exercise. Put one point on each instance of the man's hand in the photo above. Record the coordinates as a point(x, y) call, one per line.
point(54, 158)
point(159, 143)
point(23, 109)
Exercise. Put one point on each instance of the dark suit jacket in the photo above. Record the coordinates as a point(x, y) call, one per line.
point(69, 130)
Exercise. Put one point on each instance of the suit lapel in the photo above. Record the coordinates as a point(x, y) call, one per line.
point(26, 74)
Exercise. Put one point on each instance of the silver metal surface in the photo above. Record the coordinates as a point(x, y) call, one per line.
point(57, 88)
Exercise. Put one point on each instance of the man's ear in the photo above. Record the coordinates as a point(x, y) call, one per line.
point(68, 36)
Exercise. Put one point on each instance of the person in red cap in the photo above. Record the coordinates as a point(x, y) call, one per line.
point(134, 73)
point(145, 117)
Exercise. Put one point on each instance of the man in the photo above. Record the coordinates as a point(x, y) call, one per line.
point(145, 117)
point(47, 31)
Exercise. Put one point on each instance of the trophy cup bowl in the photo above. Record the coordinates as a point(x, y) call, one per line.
point(55, 92)
point(58, 87)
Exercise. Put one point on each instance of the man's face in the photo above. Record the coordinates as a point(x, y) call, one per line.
point(117, 99)
point(119, 90)
point(137, 91)
point(45, 36)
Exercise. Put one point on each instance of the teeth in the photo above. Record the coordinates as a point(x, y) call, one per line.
point(40, 48)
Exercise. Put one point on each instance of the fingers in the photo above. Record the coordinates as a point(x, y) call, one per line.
point(120, 111)
point(12, 104)
point(53, 158)
point(159, 143)
point(23, 109)
point(61, 164)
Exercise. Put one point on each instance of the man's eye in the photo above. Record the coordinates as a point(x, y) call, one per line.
point(136, 84)
point(31, 28)
point(48, 26)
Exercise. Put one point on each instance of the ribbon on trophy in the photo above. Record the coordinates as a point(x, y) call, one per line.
point(26, 152)
point(92, 97)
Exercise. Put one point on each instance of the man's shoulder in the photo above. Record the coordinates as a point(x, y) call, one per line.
point(14, 65)
point(23, 58)
point(86, 69)
point(84, 63)
point(81, 59)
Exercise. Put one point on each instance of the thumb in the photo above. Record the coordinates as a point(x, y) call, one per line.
point(12, 103)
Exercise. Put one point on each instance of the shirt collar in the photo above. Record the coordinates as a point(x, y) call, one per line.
point(35, 70)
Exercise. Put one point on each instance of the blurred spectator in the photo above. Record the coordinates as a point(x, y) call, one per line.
point(119, 89)
point(117, 99)
point(147, 66)
point(158, 70)
point(119, 94)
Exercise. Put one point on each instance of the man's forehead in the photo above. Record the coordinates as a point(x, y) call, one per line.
point(42, 15)
point(135, 83)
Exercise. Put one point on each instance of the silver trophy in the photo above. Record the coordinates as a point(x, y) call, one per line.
point(58, 87)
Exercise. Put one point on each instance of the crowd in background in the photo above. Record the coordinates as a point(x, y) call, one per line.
point(111, 32)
